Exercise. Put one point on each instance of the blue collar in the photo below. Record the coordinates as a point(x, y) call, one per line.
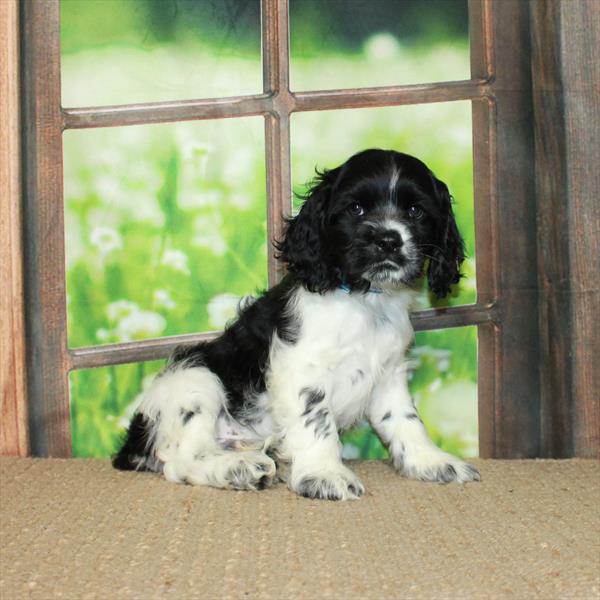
point(371, 290)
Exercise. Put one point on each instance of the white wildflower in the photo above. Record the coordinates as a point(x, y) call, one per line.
point(443, 364)
point(140, 324)
point(241, 165)
point(192, 198)
point(452, 410)
point(208, 233)
point(162, 299)
point(108, 188)
point(177, 260)
point(120, 309)
point(435, 385)
point(222, 308)
point(197, 153)
point(382, 46)
point(103, 335)
point(106, 240)
point(241, 200)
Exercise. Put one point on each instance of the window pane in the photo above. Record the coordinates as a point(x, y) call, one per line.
point(102, 403)
point(124, 51)
point(165, 227)
point(352, 43)
point(444, 387)
point(438, 134)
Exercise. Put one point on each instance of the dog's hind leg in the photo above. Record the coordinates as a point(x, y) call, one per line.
point(184, 404)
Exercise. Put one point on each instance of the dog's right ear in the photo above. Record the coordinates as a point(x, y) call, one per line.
point(302, 246)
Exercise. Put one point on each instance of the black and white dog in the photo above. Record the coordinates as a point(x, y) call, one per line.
point(319, 351)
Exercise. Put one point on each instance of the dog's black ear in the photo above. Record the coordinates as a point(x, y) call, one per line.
point(449, 249)
point(302, 247)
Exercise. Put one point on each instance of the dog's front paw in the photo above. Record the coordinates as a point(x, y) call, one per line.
point(335, 482)
point(436, 466)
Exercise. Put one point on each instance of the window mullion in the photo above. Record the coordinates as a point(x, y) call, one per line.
point(275, 49)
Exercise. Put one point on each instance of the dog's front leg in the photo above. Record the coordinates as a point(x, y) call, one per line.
point(312, 445)
point(394, 417)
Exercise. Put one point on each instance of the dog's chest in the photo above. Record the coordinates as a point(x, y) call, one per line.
point(351, 342)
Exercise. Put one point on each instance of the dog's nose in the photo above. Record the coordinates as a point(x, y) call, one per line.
point(389, 242)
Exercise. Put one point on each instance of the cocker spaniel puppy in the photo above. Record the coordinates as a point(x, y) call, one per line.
point(319, 351)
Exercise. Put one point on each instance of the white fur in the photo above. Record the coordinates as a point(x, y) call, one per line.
point(351, 349)
point(393, 182)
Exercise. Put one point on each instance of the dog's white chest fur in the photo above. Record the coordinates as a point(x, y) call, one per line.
point(347, 343)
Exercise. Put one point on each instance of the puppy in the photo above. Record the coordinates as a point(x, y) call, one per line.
point(319, 351)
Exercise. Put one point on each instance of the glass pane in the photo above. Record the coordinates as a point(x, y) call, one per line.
point(357, 43)
point(444, 387)
point(124, 51)
point(438, 134)
point(102, 403)
point(165, 227)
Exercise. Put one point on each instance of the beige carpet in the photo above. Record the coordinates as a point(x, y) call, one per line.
point(79, 529)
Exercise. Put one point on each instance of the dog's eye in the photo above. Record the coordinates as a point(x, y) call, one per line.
point(414, 212)
point(356, 210)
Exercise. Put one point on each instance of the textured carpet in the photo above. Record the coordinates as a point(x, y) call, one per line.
point(79, 529)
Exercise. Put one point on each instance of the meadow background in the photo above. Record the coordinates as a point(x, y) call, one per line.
point(165, 224)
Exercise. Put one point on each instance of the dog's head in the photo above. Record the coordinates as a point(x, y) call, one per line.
point(375, 220)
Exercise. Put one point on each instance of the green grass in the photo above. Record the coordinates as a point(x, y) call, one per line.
point(166, 229)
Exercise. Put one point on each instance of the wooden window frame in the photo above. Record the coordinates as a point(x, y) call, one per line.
point(520, 411)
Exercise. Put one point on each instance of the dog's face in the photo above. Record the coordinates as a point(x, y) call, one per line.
point(377, 219)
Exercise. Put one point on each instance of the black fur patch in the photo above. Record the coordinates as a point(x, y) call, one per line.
point(357, 376)
point(312, 487)
point(412, 416)
point(239, 356)
point(135, 450)
point(312, 398)
point(321, 423)
point(186, 415)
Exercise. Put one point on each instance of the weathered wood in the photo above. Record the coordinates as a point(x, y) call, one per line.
point(276, 83)
point(506, 227)
point(580, 36)
point(89, 357)
point(565, 58)
point(271, 102)
point(44, 251)
point(486, 244)
point(122, 115)
point(555, 367)
point(13, 403)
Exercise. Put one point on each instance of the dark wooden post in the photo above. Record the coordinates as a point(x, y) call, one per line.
point(505, 231)
point(566, 87)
